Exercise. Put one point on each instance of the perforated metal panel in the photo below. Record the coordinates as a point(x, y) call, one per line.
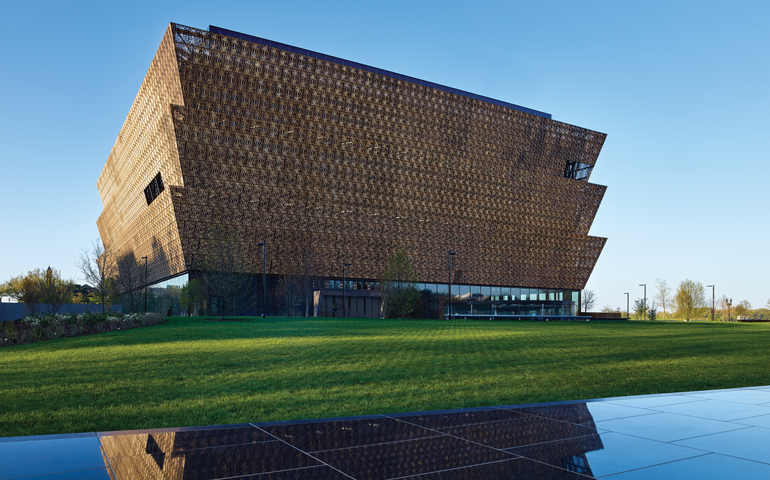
point(286, 147)
point(146, 147)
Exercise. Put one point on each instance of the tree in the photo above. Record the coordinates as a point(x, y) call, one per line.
point(55, 291)
point(130, 281)
point(652, 313)
point(399, 293)
point(690, 296)
point(725, 306)
point(111, 294)
point(192, 296)
point(743, 309)
point(663, 295)
point(83, 294)
point(26, 289)
point(224, 272)
point(289, 292)
point(640, 309)
point(301, 275)
point(589, 299)
point(309, 269)
point(98, 266)
point(767, 305)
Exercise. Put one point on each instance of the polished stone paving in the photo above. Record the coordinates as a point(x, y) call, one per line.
point(691, 435)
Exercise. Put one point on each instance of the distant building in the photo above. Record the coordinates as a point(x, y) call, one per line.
point(289, 146)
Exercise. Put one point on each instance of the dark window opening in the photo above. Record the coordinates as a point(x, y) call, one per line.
point(152, 190)
point(578, 464)
point(577, 171)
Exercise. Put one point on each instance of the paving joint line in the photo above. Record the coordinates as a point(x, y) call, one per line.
point(375, 444)
point(302, 451)
point(460, 438)
point(268, 473)
point(109, 463)
point(458, 468)
point(515, 455)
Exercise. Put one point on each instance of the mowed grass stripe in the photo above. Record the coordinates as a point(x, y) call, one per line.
point(197, 372)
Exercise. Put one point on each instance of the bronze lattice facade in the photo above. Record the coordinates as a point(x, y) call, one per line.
point(284, 144)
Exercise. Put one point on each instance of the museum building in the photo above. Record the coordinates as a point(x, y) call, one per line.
point(291, 147)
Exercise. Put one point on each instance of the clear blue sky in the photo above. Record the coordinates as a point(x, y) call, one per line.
point(681, 89)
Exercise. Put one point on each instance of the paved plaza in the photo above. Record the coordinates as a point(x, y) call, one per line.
point(698, 435)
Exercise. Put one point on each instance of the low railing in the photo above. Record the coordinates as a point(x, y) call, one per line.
point(468, 316)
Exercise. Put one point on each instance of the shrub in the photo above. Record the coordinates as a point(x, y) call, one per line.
point(50, 326)
point(9, 333)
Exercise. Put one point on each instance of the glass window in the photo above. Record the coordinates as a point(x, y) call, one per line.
point(483, 309)
point(163, 297)
point(442, 288)
point(462, 309)
point(475, 292)
point(551, 296)
point(495, 291)
point(577, 170)
point(574, 296)
point(154, 189)
point(455, 290)
point(465, 292)
point(485, 293)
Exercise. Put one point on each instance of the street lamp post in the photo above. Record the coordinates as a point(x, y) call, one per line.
point(644, 301)
point(729, 310)
point(627, 304)
point(145, 283)
point(451, 254)
point(264, 278)
point(712, 301)
point(344, 311)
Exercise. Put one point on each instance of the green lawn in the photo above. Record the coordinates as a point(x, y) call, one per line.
point(197, 372)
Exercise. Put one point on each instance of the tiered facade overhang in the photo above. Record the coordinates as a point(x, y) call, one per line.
point(288, 146)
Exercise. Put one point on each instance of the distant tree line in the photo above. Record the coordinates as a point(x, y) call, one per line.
point(689, 301)
point(45, 290)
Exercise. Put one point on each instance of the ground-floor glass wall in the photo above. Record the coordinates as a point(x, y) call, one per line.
point(477, 300)
point(480, 299)
point(162, 297)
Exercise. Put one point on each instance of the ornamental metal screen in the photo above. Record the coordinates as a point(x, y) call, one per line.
point(289, 148)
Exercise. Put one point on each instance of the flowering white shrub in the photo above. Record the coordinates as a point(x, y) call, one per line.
point(42, 327)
